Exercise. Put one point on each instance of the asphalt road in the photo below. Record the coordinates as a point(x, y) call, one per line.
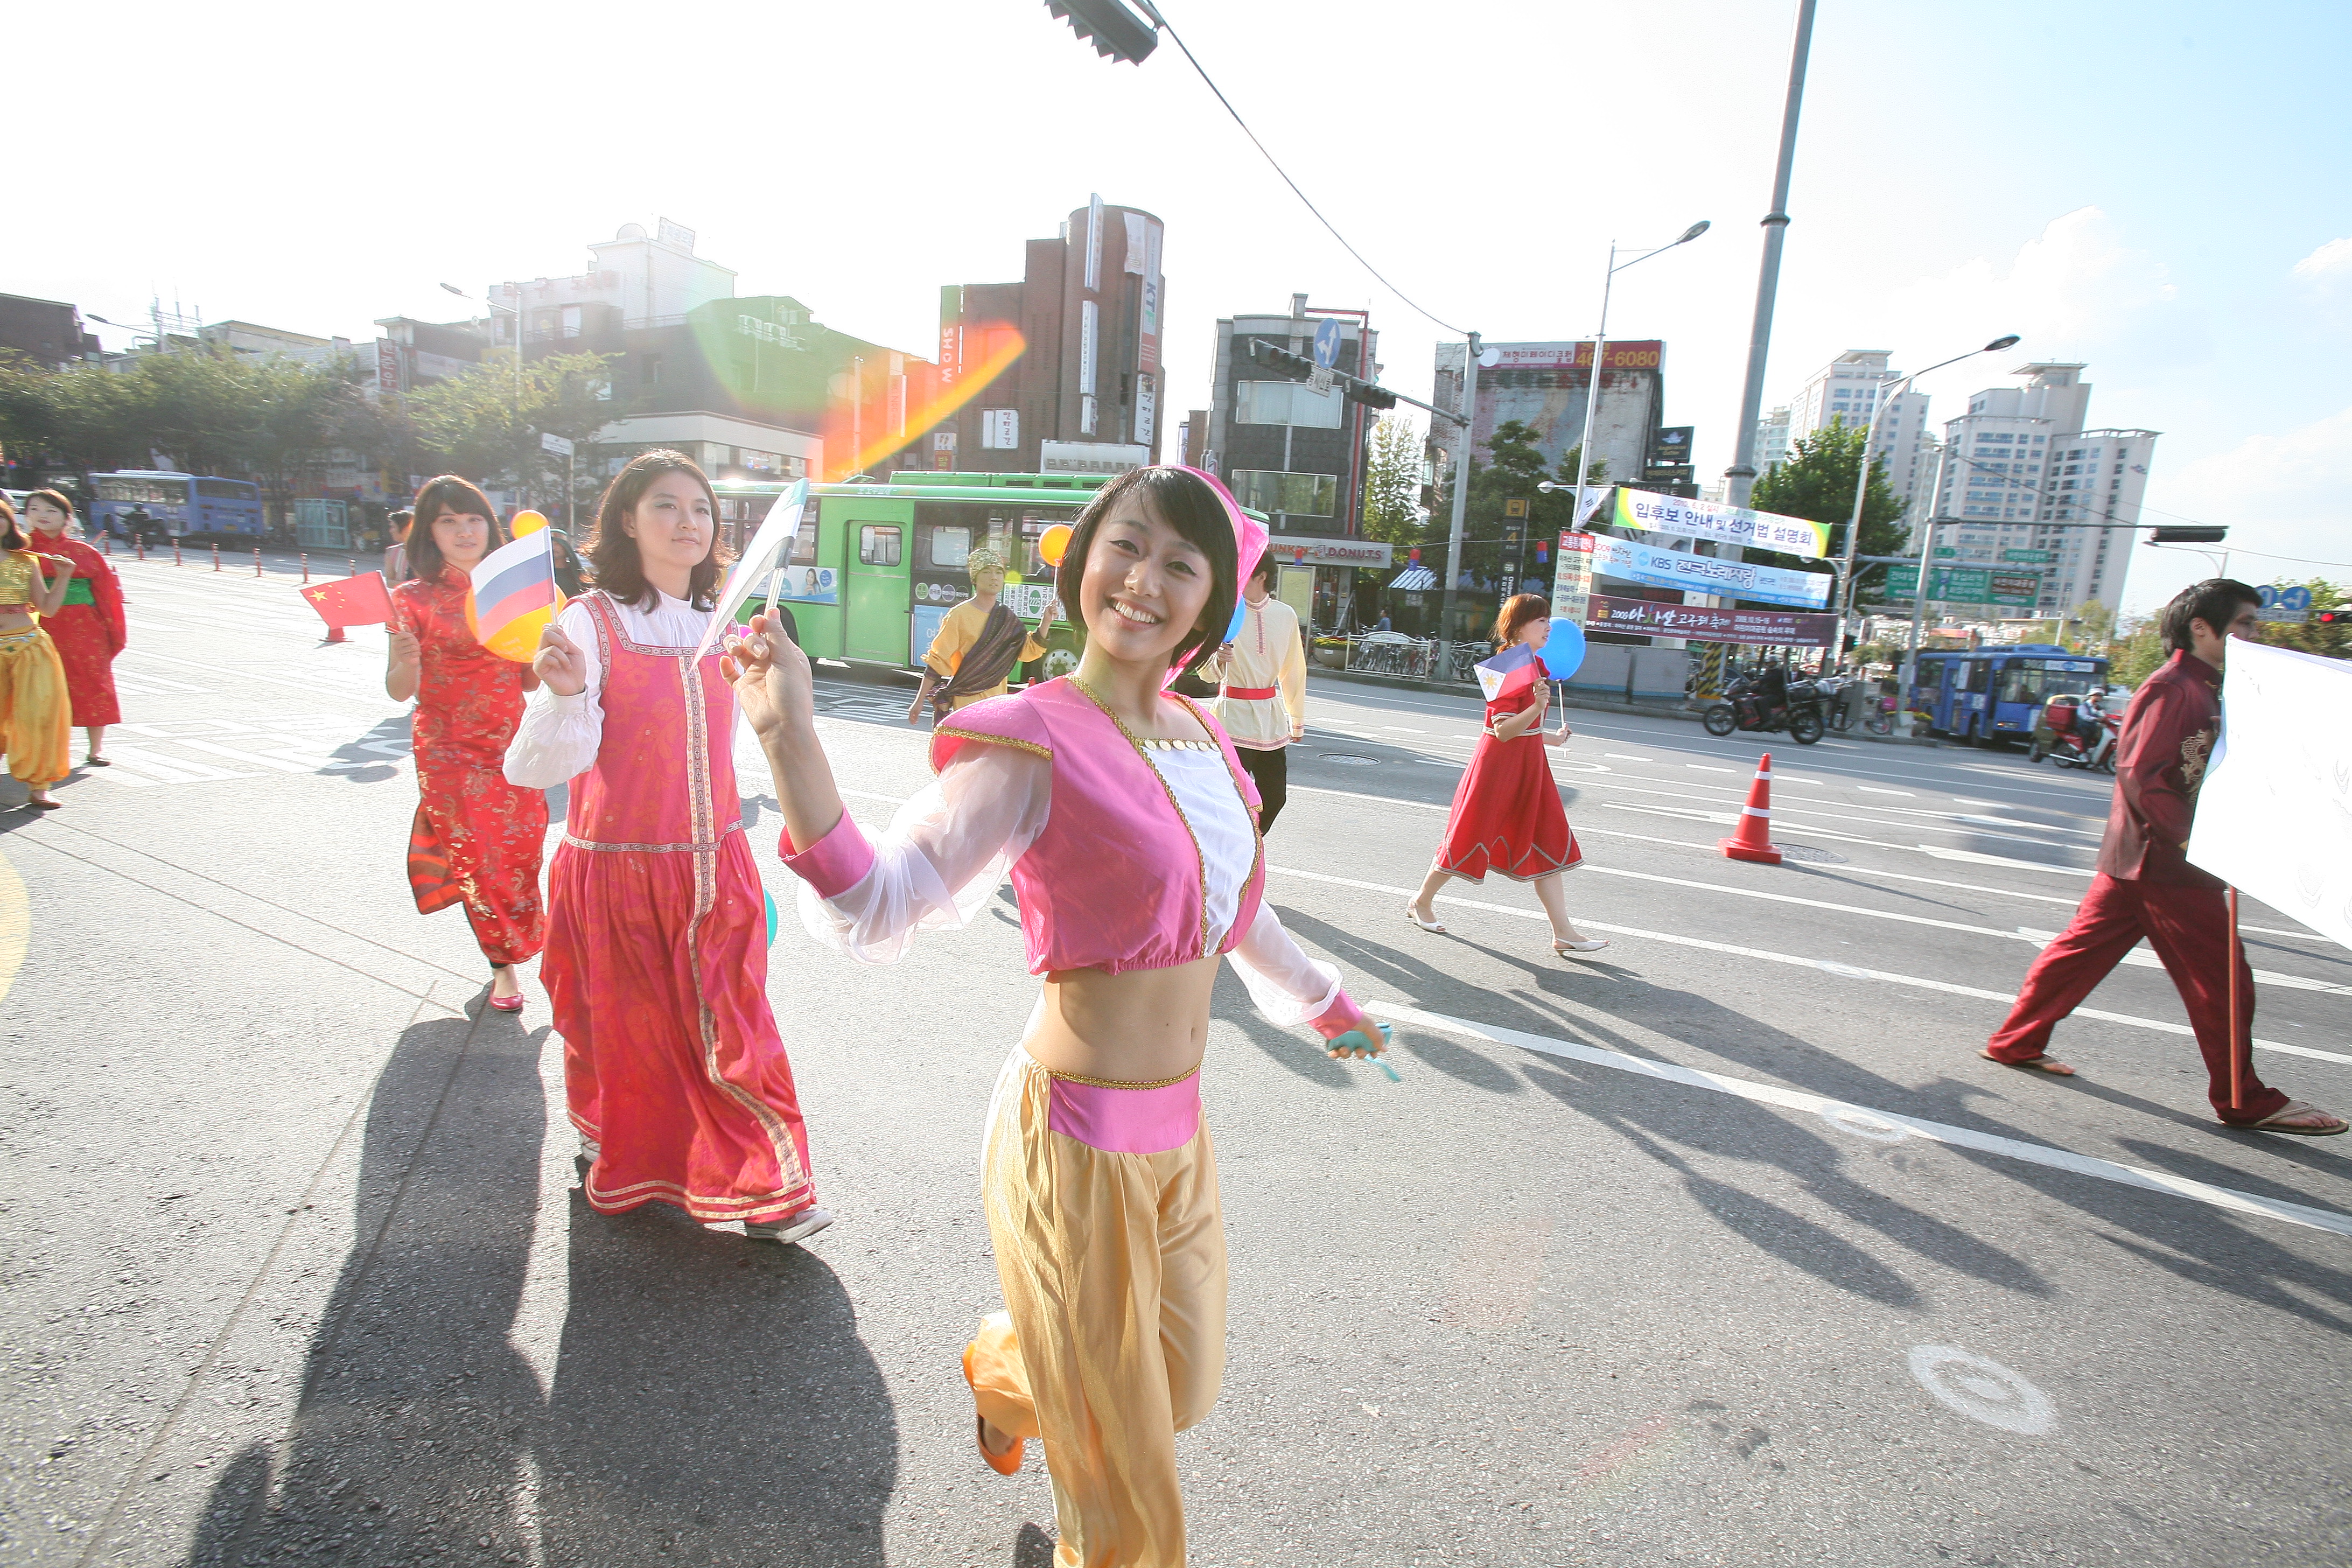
point(1723, 1246)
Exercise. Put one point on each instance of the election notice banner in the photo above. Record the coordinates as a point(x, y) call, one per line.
point(2274, 811)
point(1758, 628)
point(1614, 557)
point(1571, 584)
point(1724, 524)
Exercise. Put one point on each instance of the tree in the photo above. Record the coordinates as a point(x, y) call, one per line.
point(1816, 483)
point(2138, 653)
point(1393, 483)
point(479, 426)
point(1493, 543)
point(2093, 626)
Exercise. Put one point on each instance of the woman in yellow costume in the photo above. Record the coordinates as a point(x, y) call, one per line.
point(35, 718)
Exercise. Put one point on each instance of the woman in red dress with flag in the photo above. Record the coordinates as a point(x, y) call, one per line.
point(656, 964)
point(1506, 815)
point(89, 631)
point(477, 839)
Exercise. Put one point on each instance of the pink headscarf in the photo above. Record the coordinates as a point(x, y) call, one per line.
point(1250, 539)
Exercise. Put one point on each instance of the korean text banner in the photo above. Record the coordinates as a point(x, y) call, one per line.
point(1723, 524)
point(2274, 811)
point(1759, 628)
point(1613, 557)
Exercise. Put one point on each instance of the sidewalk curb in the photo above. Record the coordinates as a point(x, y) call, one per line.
point(1587, 704)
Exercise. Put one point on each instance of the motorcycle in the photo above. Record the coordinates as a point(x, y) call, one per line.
point(1745, 710)
point(2066, 738)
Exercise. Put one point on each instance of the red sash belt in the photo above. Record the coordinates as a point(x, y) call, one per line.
point(1253, 693)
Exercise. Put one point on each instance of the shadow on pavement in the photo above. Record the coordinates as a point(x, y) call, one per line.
point(411, 1435)
point(711, 1400)
point(376, 752)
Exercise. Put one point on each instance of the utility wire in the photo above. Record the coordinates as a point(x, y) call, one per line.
point(1162, 18)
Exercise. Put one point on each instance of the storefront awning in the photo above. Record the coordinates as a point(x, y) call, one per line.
point(1415, 579)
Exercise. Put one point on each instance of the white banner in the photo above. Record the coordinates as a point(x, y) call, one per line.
point(2275, 813)
point(1712, 520)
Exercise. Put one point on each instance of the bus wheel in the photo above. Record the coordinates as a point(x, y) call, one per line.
point(1061, 661)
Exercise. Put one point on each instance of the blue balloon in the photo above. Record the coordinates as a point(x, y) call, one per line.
point(1563, 651)
point(771, 915)
point(1241, 613)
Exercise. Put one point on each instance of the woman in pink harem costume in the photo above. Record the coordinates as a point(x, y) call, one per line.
point(656, 957)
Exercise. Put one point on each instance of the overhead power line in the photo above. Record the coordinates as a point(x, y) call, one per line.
point(1160, 18)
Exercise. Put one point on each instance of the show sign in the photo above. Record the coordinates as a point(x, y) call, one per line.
point(1724, 524)
point(1613, 557)
point(1761, 629)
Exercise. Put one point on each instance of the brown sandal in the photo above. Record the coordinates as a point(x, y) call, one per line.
point(2042, 1063)
point(2297, 1108)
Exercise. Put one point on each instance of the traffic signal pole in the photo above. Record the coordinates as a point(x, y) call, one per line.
point(1461, 499)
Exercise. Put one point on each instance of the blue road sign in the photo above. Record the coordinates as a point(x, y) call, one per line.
point(1326, 342)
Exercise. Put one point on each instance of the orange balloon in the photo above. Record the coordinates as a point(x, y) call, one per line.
point(1053, 543)
point(528, 522)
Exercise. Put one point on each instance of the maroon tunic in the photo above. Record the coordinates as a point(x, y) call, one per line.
point(2168, 738)
point(477, 839)
point(88, 630)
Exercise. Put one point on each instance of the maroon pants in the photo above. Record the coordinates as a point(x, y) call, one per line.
point(2189, 929)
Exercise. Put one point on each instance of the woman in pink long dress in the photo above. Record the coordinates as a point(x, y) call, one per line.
point(656, 957)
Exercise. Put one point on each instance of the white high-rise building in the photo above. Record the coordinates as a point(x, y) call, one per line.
point(1846, 390)
point(1772, 440)
point(2020, 462)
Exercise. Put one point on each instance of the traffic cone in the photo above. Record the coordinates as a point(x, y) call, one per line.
point(1753, 839)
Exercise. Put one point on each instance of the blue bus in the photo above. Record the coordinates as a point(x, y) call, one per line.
point(177, 506)
point(1985, 695)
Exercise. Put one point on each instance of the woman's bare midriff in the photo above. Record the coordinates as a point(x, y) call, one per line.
point(1144, 1026)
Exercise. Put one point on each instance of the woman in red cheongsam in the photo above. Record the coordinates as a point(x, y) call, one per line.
point(1506, 815)
point(88, 630)
point(477, 838)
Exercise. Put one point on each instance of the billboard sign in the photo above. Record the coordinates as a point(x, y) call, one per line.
point(1723, 524)
point(1967, 585)
point(1571, 584)
point(1613, 557)
point(1090, 457)
point(1673, 445)
point(1756, 629)
point(1645, 355)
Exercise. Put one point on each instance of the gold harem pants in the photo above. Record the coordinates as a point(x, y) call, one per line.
point(1113, 1266)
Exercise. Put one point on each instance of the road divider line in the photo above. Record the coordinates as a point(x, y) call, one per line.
point(2226, 1198)
point(1827, 966)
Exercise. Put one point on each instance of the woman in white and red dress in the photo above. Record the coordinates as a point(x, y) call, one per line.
point(656, 957)
point(1506, 815)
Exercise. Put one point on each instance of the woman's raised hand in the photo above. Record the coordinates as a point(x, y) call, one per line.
point(559, 663)
point(771, 680)
point(404, 649)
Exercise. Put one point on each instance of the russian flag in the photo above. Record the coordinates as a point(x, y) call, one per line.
point(514, 597)
point(1509, 673)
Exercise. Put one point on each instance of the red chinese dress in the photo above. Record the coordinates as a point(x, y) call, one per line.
point(87, 630)
point(477, 839)
point(1506, 815)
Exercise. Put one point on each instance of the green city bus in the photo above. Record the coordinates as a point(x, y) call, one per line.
point(876, 566)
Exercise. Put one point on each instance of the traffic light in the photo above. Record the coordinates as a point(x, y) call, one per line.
point(2331, 618)
point(1115, 32)
point(2196, 535)
point(1280, 358)
point(1371, 396)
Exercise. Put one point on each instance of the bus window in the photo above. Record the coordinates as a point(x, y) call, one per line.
point(948, 547)
point(2023, 683)
point(1977, 674)
point(226, 489)
point(878, 546)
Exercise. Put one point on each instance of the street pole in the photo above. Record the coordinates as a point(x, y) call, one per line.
point(1910, 671)
point(1593, 391)
point(1742, 473)
point(1460, 503)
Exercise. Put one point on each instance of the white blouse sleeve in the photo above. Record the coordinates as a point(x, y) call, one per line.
point(558, 737)
point(1287, 986)
point(945, 852)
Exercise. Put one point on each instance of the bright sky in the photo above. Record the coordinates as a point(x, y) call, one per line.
point(2156, 189)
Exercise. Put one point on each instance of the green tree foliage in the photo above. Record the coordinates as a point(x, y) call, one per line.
point(475, 423)
point(2090, 629)
point(1393, 483)
point(1816, 482)
point(2139, 650)
point(1494, 544)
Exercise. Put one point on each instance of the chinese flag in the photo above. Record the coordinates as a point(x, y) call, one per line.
point(358, 601)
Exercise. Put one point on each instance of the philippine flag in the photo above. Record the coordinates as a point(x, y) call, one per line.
point(1509, 673)
point(514, 597)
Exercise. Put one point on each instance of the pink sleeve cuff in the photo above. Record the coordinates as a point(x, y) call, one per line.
point(1340, 1016)
point(834, 863)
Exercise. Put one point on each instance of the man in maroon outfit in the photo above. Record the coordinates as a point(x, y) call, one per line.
point(2145, 886)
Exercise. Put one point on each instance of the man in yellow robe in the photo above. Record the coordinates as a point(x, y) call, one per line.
point(978, 633)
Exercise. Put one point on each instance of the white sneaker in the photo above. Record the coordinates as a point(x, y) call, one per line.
point(792, 1228)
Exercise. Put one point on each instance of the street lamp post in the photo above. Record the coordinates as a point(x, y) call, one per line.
point(1887, 397)
point(1600, 346)
point(522, 463)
